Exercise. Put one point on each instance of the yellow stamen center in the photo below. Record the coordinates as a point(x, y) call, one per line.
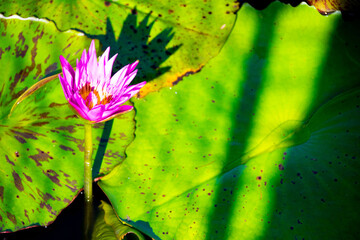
point(86, 90)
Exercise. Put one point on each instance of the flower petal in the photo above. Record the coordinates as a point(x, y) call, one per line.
point(96, 113)
point(65, 65)
point(92, 70)
point(108, 67)
point(133, 89)
point(101, 71)
point(129, 79)
point(132, 66)
point(110, 114)
point(104, 57)
point(78, 104)
point(119, 76)
point(65, 86)
point(103, 88)
point(92, 50)
point(119, 89)
point(127, 93)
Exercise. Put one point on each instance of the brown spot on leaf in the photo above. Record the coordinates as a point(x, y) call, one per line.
point(48, 196)
point(66, 148)
point(26, 215)
point(17, 181)
point(281, 167)
point(70, 128)
point(18, 50)
point(21, 38)
point(40, 157)
point(28, 178)
point(73, 189)
point(2, 193)
point(47, 58)
point(9, 161)
point(53, 176)
point(38, 72)
point(20, 139)
point(65, 174)
point(27, 135)
point(24, 73)
point(57, 104)
point(73, 182)
point(11, 217)
point(111, 154)
point(48, 207)
point(80, 142)
point(1, 52)
point(185, 75)
point(44, 115)
point(51, 68)
point(39, 124)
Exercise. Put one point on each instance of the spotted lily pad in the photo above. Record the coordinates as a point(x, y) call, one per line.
point(171, 39)
point(263, 143)
point(42, 140)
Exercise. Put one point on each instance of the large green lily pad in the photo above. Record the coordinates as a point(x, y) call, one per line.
point(171, 39)
point(42, 140)
point(263, 143)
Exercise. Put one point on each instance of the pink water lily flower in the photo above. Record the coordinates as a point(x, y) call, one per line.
point(90, 89)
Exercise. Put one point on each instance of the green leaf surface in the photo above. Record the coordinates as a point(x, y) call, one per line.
point(170, 39)
point(263, 143)
point(42, 141)
point(108, 226)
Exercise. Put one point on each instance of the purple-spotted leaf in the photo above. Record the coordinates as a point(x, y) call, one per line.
point(42, 144)
point(263, 143)
point(172, 39)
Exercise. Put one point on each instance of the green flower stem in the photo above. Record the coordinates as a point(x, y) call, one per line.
point(88, 216)
point(88, 164)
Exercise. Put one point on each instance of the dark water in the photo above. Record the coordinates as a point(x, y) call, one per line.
point(67, 226)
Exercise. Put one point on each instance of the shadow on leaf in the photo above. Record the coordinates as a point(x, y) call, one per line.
point(133, 44)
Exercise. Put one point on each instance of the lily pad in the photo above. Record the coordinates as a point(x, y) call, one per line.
point(108, 226)
point(261, 144)
point(42, 140)
point(171, 39)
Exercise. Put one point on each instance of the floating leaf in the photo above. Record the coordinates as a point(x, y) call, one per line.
point(263, 143)
point(32, 90)
point(108, 226)
point(42, 140)
point(170, 39)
